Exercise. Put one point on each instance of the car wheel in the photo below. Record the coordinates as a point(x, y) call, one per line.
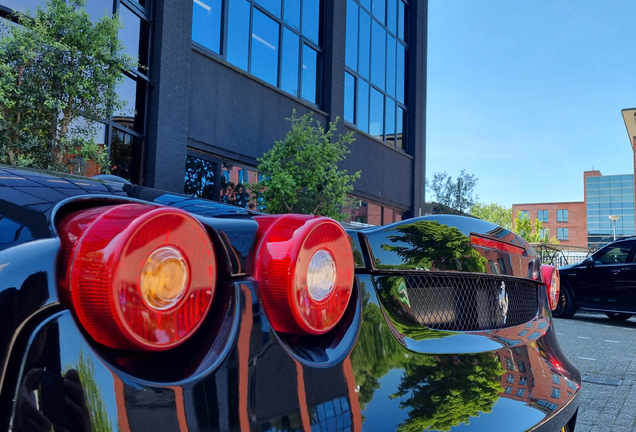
point(565, 307)
point(617, 316)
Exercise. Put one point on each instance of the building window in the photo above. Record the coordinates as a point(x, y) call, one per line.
point(511, 379)
point(562, 215)
point(556, 393)
point(278, 41)
point(544, 232)
point(523, 381)
point(520, 392)
point(510, 364)
point(542, 215)
point(563, 234)
point(123, 131)
point(508, 390)
point(376, 75)
point(522, 366)
point(524, 214)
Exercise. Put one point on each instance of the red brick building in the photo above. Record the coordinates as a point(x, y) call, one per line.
point(567, 221)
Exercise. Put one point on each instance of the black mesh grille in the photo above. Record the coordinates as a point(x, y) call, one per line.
point(470, 302)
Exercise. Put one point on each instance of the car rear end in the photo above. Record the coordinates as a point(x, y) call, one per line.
point(277, 323)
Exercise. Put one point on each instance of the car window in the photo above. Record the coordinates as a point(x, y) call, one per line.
point(614, 254)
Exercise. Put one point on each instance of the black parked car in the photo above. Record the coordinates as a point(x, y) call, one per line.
point(605, 281)
point(124, 308)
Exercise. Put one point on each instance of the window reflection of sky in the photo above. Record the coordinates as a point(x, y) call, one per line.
point(506, 412)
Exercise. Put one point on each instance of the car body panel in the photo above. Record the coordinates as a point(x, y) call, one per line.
point(383, 367)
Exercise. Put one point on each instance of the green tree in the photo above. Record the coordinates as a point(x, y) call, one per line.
point(494, 213)
point(458, 194)
point(300, 173)
point(58, 75)
point(532, 232)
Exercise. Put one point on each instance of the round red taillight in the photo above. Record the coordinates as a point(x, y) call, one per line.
point(304, 266)
point(552, 281)
point(138, 277)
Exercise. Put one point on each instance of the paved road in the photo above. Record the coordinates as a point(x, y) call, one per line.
point(604, 351)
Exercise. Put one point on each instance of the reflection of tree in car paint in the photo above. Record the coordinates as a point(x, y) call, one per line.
point(444, 391)
point(429, 245)
point(440, 391)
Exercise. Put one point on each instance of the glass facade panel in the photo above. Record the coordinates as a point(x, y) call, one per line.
point(363, 106)
point(402, 20)
point(311, 20)
point(206, 23)
point(376, 115)
point(391, 64)
point(238, 33)
point(379, 10)
point(350, 86)
point(401, 73)
point(199, 178)
point(292, 13)
point(605, 196)
point(351, 55)
point(272, 6)
point(389, 121)
point(310, 66)
point(130, 31)
point(391, 15)
point(127, 91)
point(399, 128)
point(364, 57)
point(378, 55)
point(121, 153)
point(22, 5)
point(97, 9)
point(264, 60)
point(289, 71)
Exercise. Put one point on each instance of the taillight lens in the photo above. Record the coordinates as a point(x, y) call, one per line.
point(304, 266)
point(138, 277)
point(552, 280)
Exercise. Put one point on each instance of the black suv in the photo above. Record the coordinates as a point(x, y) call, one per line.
point(606, 282)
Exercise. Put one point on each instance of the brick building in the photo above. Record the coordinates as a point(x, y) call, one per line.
point(587, 223)
point(218, 79)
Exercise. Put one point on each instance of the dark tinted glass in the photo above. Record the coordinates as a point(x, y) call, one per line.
point(403, 21)
point(129, 33)
point(390, 121)
point(289, 71)
point(351, 58)
point(121, 153)
point(97, 9)
point(127, 92)
point(272, 6)
point(199, 178)
point(365, 44)
point(391, 15)
point(376, 117)
point(206, 23)
point(350, 86)
point(391, 64)
point(292, 13)
point(310, 74)
point(379, 9)
point(400, 73)
point(378, 55)
point(311, 20)
point(265, 48)
point(363, 106)
point(366, 4)
point(238, 33)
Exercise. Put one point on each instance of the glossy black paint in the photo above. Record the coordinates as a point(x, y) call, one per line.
point(606, 281)
point(236, 373)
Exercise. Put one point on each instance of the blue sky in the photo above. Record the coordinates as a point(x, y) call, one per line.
point(527, 95)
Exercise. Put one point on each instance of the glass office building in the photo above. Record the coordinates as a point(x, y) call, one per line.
point(605, 196)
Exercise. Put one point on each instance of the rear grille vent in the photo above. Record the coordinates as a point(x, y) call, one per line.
point(470, 302)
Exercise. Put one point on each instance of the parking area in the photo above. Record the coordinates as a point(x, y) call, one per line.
point(604, 351)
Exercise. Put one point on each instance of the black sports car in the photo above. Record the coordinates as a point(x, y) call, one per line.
point(605, 281)
point(124, 308)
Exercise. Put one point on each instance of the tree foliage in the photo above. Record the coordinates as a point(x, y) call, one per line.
point(494, 213)
point(457, 194)
point(58, 74)
point(300, 173)
point(532, 232)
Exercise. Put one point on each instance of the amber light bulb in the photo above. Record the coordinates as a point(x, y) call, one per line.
point(164, 278)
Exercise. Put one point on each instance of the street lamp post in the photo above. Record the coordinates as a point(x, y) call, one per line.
point(614, 218)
